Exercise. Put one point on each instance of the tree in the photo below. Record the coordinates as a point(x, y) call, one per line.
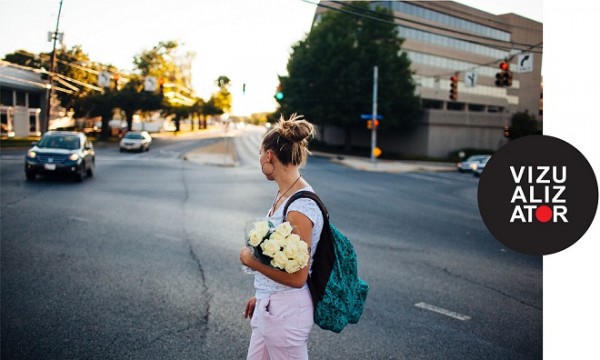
point(25, 58)
point(100, 104)
point(76, 73)
point(173, 72)
point(523, 124)
point(133, 98)
point(330, 77)
point(222, 99)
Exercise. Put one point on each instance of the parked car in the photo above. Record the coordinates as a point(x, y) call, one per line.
point(61, 152)
point(480, 166)
point(136, 140)
point(470, 164)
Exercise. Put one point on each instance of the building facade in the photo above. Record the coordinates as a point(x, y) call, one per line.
point(445, 39)
point(23, 101)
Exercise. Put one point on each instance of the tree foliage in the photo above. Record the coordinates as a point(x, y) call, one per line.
point(330, 77)
point(78, 74)
point(523, 124)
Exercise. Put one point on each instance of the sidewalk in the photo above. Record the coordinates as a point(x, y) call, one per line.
point(223, 153)
point(389, 166)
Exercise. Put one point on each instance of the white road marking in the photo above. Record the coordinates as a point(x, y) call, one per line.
point(442, 311)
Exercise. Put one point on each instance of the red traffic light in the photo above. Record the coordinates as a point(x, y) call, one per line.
point(503, 66)
point(453, 87)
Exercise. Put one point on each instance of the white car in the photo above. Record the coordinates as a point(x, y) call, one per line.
point(479, 169)
point(470, 164)
point(136, 140)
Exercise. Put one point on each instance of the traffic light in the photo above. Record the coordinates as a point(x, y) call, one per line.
point(507, 78)
point(370, 124)
point(279, 94)
point(507, 131)
point(454, 87)
point(504, 76)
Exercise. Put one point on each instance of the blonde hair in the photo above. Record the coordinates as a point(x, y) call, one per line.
point(289, 139)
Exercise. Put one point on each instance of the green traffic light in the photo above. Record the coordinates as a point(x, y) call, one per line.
point(279, 95)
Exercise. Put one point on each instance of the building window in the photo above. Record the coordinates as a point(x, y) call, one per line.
point(476, 107)
point(21, 99)
point(441, 40)
point(34, 101)
point(4, 122)
point(433, 104)
point(442, 18)
point(455, 106)
point(495, 109)
point(6, 97)
point(33, 123)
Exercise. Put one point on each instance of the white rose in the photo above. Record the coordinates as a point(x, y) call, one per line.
point(291, 249)
point(262, 228)
point(253, 238)
point(294, 265)
point(270, 247)
point(284, 229)
point(279, 260)
point(279, 238)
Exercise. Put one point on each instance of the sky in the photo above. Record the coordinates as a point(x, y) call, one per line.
point(250, 41)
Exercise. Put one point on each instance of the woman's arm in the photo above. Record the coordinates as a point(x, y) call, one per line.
point(303, 227)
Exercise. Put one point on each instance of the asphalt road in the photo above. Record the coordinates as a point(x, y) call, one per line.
point(141, 262)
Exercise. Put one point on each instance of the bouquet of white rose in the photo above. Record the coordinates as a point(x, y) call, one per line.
point(277, 246)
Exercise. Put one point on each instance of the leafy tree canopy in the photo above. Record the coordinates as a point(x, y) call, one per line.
point(524, 123)
point(330, 77)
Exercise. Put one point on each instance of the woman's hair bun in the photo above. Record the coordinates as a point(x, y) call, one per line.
point(296, 128)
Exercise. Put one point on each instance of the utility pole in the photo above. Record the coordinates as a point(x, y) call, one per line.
point(374, 118)
point(46, 123)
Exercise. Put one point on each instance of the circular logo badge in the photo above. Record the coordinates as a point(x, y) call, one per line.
point(538, 195)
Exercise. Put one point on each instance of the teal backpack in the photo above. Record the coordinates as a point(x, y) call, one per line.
point(338, 293)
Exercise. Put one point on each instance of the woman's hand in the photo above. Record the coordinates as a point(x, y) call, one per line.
point(246, 256)
point(249, 311)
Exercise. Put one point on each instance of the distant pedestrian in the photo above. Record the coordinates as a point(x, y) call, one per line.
point(281, 311)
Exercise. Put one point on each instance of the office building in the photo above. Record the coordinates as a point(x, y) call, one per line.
point(445, 39)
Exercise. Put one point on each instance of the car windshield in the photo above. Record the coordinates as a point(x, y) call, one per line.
point(133, 136)
point(69, 142)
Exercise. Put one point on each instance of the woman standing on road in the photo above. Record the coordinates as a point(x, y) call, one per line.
point(281, 310)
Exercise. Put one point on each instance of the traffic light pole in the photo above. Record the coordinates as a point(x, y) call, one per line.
point(374, 118)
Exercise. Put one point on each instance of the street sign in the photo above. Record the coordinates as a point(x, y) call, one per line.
point(370, 117)
point(525, 62)
point(470, 79)
point(150, 83)
point(104, 79)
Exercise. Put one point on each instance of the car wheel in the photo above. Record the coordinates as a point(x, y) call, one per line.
point(30, 175)
point(121, 149)
point(81, 173)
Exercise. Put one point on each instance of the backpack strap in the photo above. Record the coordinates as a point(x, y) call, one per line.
point(309, 195)
point(324, 257)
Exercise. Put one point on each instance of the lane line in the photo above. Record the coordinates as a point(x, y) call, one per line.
point(443, 311)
